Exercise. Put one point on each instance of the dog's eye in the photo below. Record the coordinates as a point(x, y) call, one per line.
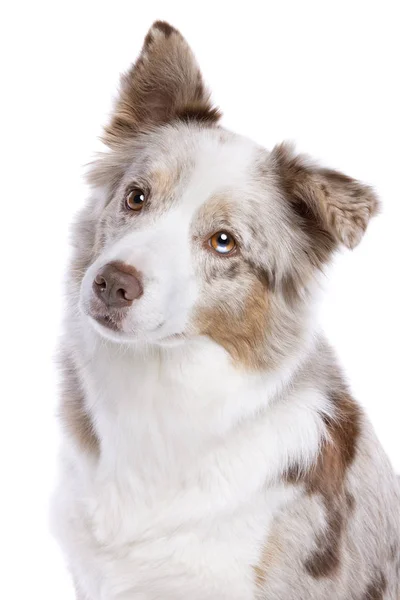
point(135, 199)
point(222, 242)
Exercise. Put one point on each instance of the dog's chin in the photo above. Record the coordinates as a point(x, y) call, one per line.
point(112, 331)
point(106, 328)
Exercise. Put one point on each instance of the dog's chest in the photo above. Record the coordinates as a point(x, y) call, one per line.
point(173, 508)
point(172, 541)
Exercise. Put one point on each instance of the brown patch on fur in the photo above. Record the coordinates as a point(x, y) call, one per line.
point(325, 560)
point(377, 588)
point(242, 334)
point(240, 324)
point(350, 501)
point(337, 453)
point(293, 474)
point(163, 182)
point(339, 450)
point(327, 479)
point(73, 414)
point(331, 207)
point(164, 84)
point(270, 556)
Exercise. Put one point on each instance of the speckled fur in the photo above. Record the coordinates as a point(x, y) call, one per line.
point(212, 449)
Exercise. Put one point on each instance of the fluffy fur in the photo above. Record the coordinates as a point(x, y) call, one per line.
point(211, 449)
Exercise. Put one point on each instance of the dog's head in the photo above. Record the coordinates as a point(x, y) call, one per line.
point(195, 231)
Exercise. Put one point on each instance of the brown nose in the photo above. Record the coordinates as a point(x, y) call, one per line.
point(117, 285)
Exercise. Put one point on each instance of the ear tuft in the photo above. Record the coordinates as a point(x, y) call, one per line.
point(341, 205)
point(165, 84)
point(165, 28)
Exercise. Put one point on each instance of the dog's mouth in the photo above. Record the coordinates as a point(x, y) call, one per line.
point(112, 322)
point(108, 321)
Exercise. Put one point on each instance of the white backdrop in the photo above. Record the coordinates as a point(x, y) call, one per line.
point(324, 74)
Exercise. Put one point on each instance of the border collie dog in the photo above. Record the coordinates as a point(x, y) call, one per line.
point(211, 447)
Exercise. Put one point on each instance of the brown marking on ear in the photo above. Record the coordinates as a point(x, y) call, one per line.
point(332, 207)
point(166, 28)
point(377, 588)
point(165, 84)
point(241, 334)
point(73, 413)
point(148, 40)
point(199, 113)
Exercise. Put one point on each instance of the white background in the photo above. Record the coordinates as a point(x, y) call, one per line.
point(324, 74)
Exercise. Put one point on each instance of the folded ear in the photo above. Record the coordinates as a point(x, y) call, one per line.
point(164, 84)
point(340, 205)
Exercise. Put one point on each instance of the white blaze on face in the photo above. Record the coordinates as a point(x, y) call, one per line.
point(163, 251)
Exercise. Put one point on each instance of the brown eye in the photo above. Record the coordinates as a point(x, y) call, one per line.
point(135, 199)
point(223, 242)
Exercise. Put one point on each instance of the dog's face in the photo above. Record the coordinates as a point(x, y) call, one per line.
point(196, 231)
point(176, 234)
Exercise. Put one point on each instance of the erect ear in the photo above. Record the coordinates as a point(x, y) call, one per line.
point(164, 84)
point(341, 206)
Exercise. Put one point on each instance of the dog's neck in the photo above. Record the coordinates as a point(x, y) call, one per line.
point(192, 391)
point(197, 376)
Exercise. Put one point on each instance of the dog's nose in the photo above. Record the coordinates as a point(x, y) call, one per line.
point(117, 285)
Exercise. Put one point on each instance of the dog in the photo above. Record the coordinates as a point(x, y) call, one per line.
point(211, 447)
